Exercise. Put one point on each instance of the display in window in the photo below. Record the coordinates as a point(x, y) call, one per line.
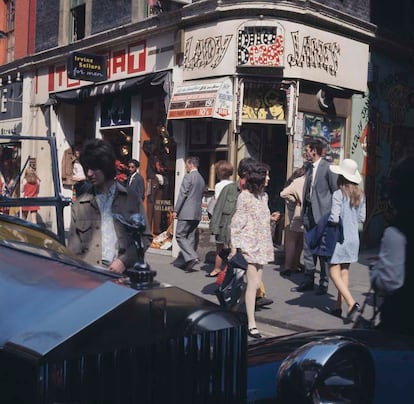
point(330, 130)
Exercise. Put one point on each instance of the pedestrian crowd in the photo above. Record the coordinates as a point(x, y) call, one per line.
point(325, 207)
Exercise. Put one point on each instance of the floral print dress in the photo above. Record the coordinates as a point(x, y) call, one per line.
point(250, 228)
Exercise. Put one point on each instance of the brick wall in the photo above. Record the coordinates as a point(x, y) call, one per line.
point(47, 24)
point(356, 8)
point(108, 14)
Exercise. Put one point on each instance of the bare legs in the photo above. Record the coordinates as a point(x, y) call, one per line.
point(339, 273)
point(30, 216)
point(254, 279)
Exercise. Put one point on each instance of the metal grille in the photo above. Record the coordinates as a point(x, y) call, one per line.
point(203, 368)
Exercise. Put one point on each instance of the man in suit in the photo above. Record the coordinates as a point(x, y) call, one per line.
point(187, 211)
point(136, 181)
point(320, 184)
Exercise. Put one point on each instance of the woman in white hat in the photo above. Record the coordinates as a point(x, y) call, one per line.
point(348, 203)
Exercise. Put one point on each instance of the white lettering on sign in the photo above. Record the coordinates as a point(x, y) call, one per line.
point(314, 53)
point(260, 46)
point(207, 52)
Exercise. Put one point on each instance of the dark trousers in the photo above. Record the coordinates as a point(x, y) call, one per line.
point(309, 259)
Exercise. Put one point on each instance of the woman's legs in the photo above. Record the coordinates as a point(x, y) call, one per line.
point(218, 261)
point(254, 279)
point(339, 273)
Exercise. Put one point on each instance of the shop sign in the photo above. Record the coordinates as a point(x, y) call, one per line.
point(87, 67)
point(259, 46)
point(209, 99)
point(264, 102)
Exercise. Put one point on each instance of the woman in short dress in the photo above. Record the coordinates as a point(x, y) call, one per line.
point(348, 203)
point(251, 235)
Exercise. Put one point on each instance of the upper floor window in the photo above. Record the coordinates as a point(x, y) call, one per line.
point(10, 19)
point(77, 20)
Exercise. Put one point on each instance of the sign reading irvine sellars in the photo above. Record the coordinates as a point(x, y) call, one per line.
point(82, 66)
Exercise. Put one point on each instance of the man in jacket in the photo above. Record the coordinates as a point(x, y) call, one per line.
point(187, 211)
point(94, 234)
point(320, 184)
point(136, 181)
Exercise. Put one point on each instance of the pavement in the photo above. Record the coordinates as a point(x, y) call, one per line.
point(291, 310)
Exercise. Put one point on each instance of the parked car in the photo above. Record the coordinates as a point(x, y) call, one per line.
point(75, 333)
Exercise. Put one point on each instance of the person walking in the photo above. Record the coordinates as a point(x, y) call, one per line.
point(224, 170)
point(392, 274)
point(223, 213)
point(94, 234)
point(320, 184)
point(293, 193)
point(348, 204)
point(136, 181)
point(251, 235)
point(187, 211)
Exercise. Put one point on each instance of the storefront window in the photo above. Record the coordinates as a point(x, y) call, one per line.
point(330, 130)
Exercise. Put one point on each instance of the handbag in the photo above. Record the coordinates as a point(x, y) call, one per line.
point(361, 322)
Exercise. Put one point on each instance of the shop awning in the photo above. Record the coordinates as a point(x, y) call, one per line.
point(107, 88)
point(202, 99)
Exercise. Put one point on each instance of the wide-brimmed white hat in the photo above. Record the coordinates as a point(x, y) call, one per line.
point(349, 169)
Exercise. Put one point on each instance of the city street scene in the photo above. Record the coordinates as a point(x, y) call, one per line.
point(206, 201)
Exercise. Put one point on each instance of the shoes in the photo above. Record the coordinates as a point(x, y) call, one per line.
point(304, 286)
point(321, 290)
point(335, 312)
point(263, 301)
point(254, 333)
point(286, 272)
point(213, 273)
point(355, 308)
point(189, 265)
point(301, 267)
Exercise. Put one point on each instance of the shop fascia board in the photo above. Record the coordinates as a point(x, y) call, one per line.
point(198, 12)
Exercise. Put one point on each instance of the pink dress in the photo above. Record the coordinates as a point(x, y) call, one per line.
point(250, 228)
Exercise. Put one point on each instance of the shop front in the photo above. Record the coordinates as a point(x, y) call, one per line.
point(289, 81)
point(128, 110)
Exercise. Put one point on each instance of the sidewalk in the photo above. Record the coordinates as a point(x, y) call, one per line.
point(292, 310)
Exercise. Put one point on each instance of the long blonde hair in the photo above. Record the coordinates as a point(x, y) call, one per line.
point(350, 190)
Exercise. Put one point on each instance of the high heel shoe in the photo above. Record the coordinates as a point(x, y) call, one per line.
point(335, 312)
point(254, 333)
point(354, 309)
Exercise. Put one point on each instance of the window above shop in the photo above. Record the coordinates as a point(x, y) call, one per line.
point(77, 20)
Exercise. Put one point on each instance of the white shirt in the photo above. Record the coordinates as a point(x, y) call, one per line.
point(219, 187)
point(388, 272)
point(109, 238)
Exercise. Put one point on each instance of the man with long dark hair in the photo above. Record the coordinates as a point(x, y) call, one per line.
point(94, 234)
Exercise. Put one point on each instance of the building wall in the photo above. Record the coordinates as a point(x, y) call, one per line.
point(108, 14)
point(47, 25)
point(356, 8)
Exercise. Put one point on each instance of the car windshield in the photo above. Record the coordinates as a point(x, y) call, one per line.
point(30, 183)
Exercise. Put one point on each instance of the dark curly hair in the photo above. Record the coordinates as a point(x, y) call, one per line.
point(255, 180)
point(97, 154)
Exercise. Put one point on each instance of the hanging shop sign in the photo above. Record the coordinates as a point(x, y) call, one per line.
point(87, 67)
point(206, 99)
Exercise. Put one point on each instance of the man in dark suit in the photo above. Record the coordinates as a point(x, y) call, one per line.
point(187, 211)
point(320, 184)
point(136, 181)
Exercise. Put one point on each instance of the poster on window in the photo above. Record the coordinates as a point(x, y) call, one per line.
point(330, 130)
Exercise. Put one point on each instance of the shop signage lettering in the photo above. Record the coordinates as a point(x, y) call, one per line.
point(87, 67)
point(260, 46)
point(120, 64)
point(314, 53)
point(163, 205)
point(207, 52)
